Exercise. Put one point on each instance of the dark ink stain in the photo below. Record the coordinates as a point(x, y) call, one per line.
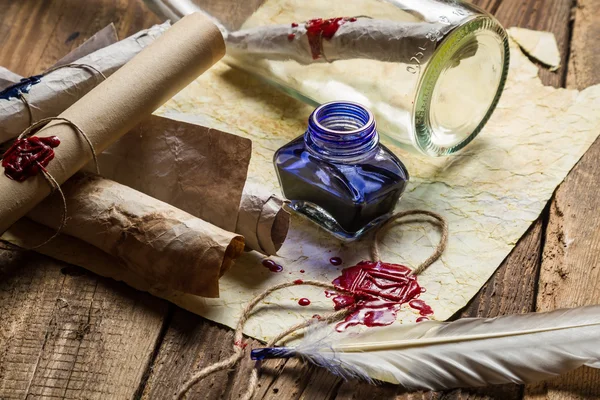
point(72, 37)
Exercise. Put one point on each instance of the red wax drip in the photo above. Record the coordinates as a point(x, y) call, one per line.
point(317, 317)
point(302, 271)
point(28, 156)
point(304, 302)
point(378, 290)
point(335, 261)
point(318, 29)
point(291, 36)
point(272, 265)
point(298, 281)
point(421, 319)
point(421, 307)
point(294, 24)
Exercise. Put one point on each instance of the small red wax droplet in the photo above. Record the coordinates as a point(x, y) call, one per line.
point(241, 344)
point(304, 302)
point(291, 36)
point(298, 281)
point(421, 319)
point(272, 265)
point(335, 261)
point(352, 19)
point(294, 24)
point(301, 271)
point(28, 156)
point(377, 290)
point(317, 316)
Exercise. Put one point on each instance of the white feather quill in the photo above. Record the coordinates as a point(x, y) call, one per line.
point(466, 353)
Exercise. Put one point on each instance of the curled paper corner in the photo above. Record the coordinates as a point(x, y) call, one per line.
point(539, 45)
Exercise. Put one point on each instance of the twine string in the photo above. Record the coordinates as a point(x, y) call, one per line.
point(72, 65)
point(238, 347)
point(52, 182)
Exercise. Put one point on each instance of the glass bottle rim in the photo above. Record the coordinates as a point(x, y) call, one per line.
point(422, 131)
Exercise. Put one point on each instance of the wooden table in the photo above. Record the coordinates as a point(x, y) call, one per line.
point(66, 333)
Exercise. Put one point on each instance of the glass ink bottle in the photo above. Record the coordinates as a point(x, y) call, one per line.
point(337, 174)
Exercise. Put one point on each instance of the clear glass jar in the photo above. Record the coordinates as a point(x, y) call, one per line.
point(431, 71)
point(338, 174)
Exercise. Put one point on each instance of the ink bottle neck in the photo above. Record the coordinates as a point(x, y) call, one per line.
point(341, 132)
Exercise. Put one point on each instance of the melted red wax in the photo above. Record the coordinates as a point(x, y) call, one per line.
point(272, 265)
point(298, 281)
point(302, 271)
point(335, 261)
point(294, 24)
point(28, 156)
point(378, 291)
point(318, 29)
point(291, 36)
point(317, 317)
point(304, 302)
point(241, 344)
point(421, 319)
point(421, 307)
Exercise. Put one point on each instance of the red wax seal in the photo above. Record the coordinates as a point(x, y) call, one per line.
point(377, 291)
point(318, 29)
point(28, 156)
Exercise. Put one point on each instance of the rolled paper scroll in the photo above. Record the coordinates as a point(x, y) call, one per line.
point(59, 89)
point(362, 38)
point(201, 171)
point(118, 104)
point(152, 238)
point(8, 78)
point(262, 219)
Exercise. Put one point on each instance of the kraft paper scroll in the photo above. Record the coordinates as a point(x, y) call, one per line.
point(115, 106)
point(151, 238)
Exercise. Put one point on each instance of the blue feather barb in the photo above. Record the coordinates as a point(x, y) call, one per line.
point(269, 353)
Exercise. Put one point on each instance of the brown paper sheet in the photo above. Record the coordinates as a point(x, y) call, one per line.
point(199, 170)
point(8, 78)
point(152, 238)
point(118, 104)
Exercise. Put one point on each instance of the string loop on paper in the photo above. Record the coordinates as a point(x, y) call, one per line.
point(238, 346)
point(54, 185)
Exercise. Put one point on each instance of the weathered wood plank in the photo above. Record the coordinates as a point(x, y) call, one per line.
point(36, 33)
point(570, 274)
point(67, 333)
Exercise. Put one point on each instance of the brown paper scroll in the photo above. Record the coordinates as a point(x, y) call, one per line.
point(201, 171)
point(115, 106)
point(152, 238)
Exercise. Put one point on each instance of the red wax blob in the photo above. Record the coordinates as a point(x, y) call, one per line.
point(298, 281)
point(421, 319)
point(294, 24)
point(377, 291)
point(420, 306)
point(335, 261)
point(317, 317)
point(291, 36)
point(318, 29)
point(272, 265)
point(304, 302)
point(28, 156)
point(302, 271)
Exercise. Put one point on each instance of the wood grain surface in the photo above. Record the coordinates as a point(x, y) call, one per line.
point(66, 333)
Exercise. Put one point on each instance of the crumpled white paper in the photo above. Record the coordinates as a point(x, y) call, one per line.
point(490, 193)
point(539, 45)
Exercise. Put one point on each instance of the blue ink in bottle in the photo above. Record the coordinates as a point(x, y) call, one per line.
point(338, 174)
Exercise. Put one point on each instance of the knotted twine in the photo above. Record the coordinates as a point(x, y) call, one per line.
point(238, 345)
point(38, 125)
point(54, 185)
point(81, 66)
